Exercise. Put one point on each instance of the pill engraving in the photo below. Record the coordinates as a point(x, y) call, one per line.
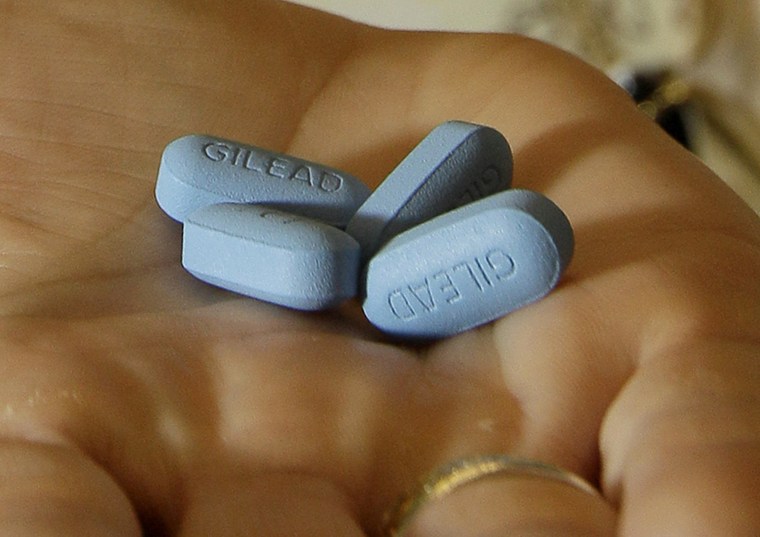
point(489, 182)
point(260, 162)
point(197, 170)
point(271, 255)
point(469, 266)
point(461, 281)
point(455, 164)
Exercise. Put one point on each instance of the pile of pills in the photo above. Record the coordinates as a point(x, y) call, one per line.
point(441, 246)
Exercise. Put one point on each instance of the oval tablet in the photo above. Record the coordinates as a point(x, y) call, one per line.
point(271, 255)
point(455, 164)
point(196, 171)
point(469, 266)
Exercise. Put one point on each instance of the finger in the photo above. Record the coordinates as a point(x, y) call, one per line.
point(48, 490)
point(231, 502)
point(71, 385)
point(682, 443)
point(515, 506)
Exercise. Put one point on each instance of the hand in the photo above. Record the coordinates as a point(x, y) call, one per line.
point(134, 396)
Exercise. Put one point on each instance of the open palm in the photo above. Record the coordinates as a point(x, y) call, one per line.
point(134, 396)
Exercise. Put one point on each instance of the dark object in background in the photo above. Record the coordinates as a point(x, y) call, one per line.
point(664, 98)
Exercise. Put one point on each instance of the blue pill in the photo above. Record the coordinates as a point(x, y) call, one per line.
point(469, 266)
point(196, 171)
point(455, 164)
point(271, 255)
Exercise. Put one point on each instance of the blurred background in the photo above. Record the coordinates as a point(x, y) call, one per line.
point(693, 65)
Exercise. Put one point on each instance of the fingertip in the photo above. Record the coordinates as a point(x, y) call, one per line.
point(53, 490)
point(706, 492)
point(681, 444)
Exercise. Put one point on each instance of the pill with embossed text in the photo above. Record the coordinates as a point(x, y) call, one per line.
point(456, 163)
point(469, 266)
point(271, 255)
point(197, 170)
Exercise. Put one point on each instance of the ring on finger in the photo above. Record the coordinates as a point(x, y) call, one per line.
point(460, 472)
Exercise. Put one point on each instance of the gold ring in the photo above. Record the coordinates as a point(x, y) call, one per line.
point(463, 471)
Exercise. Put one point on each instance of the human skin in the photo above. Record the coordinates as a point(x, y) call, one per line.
point(133, 396)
